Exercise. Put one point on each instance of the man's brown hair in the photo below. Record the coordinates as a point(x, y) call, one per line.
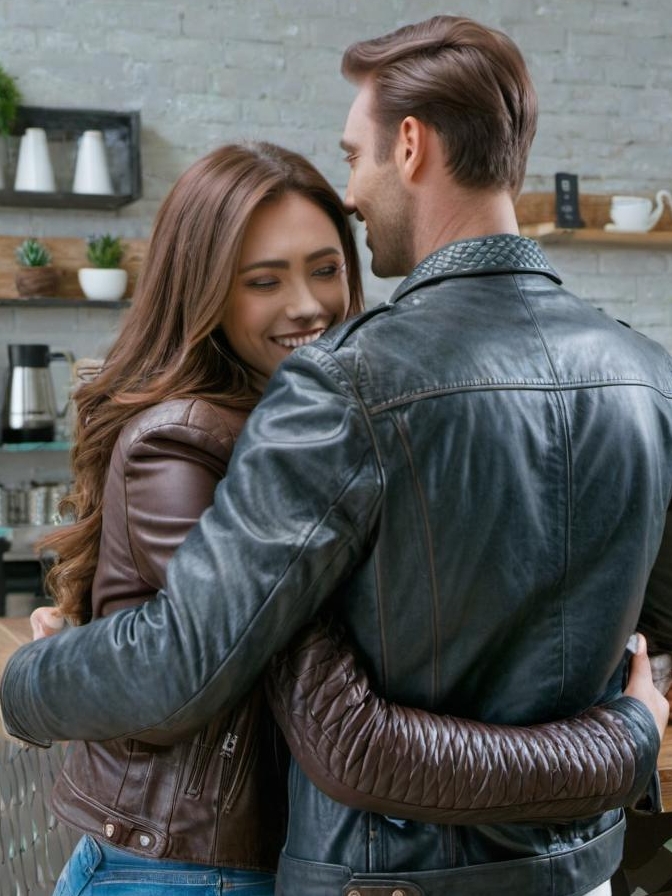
point(468, 82)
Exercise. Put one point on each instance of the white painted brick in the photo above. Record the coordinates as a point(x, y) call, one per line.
point(604, 43)
point(545, 37)
point(655, 291)
point(35, 14)
point(201, 107)
point(564, 258)
point(7, 323)
point(15, 40)
point(612, 261)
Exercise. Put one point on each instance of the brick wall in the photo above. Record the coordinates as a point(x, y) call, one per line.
point(207, 71)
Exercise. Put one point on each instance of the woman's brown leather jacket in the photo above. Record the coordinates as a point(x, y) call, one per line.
point(220, 797)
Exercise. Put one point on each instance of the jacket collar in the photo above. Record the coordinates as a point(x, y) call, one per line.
point(503, 253)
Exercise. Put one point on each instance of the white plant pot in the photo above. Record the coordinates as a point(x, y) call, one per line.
point(103, 284)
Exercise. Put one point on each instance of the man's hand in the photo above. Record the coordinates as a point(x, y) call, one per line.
point(641, 686)
point(46, 621)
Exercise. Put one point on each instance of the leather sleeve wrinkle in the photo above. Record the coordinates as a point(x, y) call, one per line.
point(169, 480)
point(379, 757)
point(231, 599)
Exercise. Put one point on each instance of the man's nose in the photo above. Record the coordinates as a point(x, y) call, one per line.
point(349, 200)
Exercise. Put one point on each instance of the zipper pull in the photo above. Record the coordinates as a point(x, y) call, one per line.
point(229, 745)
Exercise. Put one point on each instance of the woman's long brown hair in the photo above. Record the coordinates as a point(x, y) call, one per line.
point(171, 344)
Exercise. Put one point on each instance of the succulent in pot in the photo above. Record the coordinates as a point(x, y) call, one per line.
point(36, 276)
point(106, 280)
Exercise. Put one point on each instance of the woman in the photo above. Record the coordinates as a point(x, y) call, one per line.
point(251, 257)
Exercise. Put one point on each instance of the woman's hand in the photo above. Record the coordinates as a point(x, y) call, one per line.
point(641, 686)
point(46, 621)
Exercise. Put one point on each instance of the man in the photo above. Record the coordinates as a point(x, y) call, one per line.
point(474, 478)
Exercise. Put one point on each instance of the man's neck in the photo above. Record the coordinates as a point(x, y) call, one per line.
point(465, 214)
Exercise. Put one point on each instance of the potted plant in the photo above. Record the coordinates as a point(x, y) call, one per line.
point(37, 276)
point(10, 98)
point(106, 280)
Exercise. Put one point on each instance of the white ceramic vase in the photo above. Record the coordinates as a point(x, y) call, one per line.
point(103, 284)
point(92, 174)
point(34, 171)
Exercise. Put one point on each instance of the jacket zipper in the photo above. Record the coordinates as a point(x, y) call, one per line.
point(204, 749)
point(231, 772)
point(237, 771)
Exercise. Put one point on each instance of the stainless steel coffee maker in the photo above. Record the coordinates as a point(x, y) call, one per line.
point(30, 411)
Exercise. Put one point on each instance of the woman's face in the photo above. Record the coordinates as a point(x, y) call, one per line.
point(291, 284)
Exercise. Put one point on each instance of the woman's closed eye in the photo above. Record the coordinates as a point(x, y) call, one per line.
point(262, 283)
point(329, 271)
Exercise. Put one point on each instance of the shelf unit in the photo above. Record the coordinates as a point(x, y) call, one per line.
point(64, 127)
point(34, 446)
point(68, 254)
point(536, 216)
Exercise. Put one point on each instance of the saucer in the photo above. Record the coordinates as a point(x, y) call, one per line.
point(614, 228)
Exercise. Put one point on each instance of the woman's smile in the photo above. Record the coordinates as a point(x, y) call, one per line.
point(294, 340)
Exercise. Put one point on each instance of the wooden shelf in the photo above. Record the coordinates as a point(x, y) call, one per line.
point(41, 302)
point(547, 232)
point(536, 217)
point(68, 255)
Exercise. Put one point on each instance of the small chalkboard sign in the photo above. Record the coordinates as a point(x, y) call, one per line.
point(567, 201)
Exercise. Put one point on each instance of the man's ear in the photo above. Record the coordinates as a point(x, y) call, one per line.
point(411, 147)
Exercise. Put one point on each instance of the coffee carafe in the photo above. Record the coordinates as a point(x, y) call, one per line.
point(30, 411)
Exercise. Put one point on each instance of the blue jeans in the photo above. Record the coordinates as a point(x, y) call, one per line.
point(95, 868)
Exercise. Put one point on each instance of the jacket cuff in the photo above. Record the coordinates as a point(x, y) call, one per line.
point(643, 730)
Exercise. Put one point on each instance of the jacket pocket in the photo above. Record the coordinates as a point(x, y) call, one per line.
point(221, 753)
point(203, 748)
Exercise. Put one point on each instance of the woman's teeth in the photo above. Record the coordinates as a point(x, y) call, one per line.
point(296, 341)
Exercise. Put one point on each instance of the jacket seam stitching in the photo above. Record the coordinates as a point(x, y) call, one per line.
point(509, 385)
point(557, 395)
point(430, 556)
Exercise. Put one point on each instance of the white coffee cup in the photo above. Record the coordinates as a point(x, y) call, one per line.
point(632, 213)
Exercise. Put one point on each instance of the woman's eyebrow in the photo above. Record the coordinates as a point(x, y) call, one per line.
point(268, 263)
point(282, 263)
point(328, 250)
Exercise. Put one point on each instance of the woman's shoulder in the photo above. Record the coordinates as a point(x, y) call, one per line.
point(192, 421)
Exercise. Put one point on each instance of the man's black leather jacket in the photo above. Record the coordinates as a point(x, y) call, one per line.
point(475, 479)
